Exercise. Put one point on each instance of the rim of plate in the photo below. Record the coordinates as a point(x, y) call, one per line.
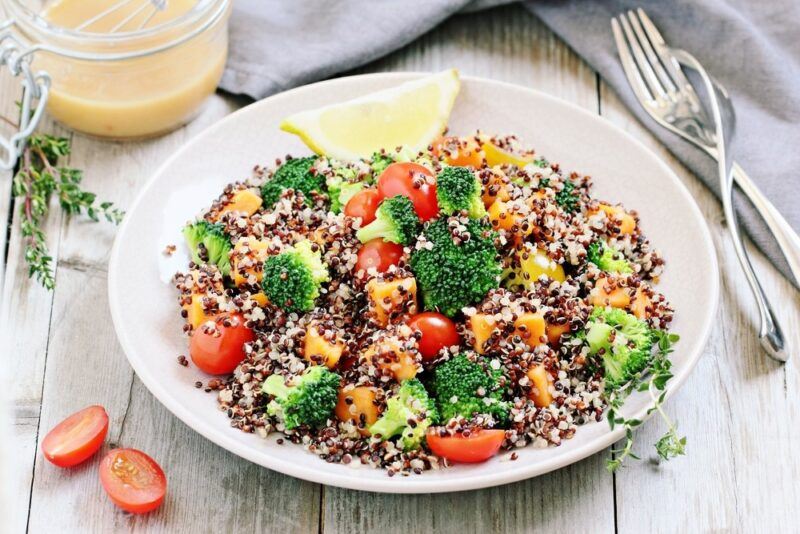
point(349, 479)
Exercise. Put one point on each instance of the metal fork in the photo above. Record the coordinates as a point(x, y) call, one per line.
point(660, 85)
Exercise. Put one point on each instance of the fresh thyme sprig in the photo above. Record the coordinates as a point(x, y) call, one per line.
point(39, 177)
point(671, 444)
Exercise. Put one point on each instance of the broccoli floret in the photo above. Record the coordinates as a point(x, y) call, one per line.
point(607, 259)
point(292, 279)
point(340, 192)
point(625, 343)
point(379, 163)
point(308, 400)
point(209, 243)
point(451, 276)
point(457, 189)
point(463, 387)
point(342, 185)
point(568, 198)
point(409, 413)
point(295, 174)
point(395, 221)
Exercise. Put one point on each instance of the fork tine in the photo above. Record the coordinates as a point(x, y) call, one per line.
point(669, 62)
point(635, 79)
point(653, 83)
point(652, 58)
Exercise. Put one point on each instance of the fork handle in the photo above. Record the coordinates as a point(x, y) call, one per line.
point(787, 239)
point(770, 333)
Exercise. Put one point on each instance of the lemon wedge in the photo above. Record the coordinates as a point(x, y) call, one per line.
point(411, 115)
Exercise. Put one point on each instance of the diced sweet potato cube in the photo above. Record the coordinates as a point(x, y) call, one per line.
point(505, 217)
point(459, 152)
point(540, 392)
point(531, 328)
point(391, 298)
point(555, 331)
point(244, 201)
point(627, 222)
point(501, 216)
point(640, 304)
point(495, 189)
point(391, 356)
point(196, 313)
point(357, 404)
point(482, 328)
point(602, 295)
point(317, 349)
point(260, 298)
point(247, 260)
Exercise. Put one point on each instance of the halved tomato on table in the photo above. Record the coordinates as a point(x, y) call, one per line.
point(413, 181)
point(76, 438)
point(477, 447)
point(134, 481)
point(218, 349)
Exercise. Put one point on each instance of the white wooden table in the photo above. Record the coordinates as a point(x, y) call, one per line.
point(739, 409)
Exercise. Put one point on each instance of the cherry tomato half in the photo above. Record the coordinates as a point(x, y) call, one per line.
point(219, 350)
point(379, 254)
point(413, 181)
point(479, 446)
point(133, 480)
point(77, 437)
point(363, 204)
point(438, 332)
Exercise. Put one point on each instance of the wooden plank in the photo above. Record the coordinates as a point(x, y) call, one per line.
point(24, 329)
point(578, 496)
point(9, 476)
point(505, 44)
point(742, 423)
point(208, 486)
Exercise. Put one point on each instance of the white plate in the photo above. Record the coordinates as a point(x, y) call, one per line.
point(143, 303)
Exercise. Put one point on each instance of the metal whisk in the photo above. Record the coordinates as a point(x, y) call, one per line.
point(148, 9)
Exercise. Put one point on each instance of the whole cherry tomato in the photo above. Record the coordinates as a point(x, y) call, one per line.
point(438, 332)
point(77, 437)
point(218, 350)
point(379, 254)
point(479, 446)
point(363, 204)
point(133, 480)
point(413, 181)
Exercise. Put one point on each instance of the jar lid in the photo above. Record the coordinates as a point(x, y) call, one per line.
point(95, 46)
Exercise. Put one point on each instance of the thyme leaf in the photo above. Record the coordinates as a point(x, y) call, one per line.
point(38, 178)
point(671, 444)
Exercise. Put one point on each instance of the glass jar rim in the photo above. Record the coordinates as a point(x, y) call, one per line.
point(200, 17)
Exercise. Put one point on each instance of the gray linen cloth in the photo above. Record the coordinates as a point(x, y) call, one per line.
point(752, 48)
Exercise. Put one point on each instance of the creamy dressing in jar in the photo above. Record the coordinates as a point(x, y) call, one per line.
point(128, 82)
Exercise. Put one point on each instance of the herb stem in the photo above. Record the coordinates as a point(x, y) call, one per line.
point(37, 179)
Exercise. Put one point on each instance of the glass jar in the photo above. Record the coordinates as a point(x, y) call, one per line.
point(127, 84)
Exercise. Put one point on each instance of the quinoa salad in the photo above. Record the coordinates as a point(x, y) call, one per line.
point(414, 310)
